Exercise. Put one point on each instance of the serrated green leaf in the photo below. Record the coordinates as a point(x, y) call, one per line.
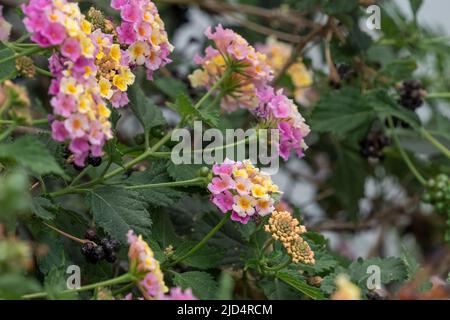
point(118, 210)
point(349, 191)
point(181, 172)
point(342, 113)
point(204, 258)
point(148, 114)
point(324, 262)
point(31, 154)
point(275, 289)
point(202, 284)
point(163, 231)
point(156, 197)
point(8, 68)
point(295, 280)
point(384, 105)
point(43, 208)
point(170, 86)
point(55, 284)
point(392, 269)
point(398, 70)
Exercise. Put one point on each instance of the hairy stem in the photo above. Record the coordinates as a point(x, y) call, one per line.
point(118, 280)
point(405, 157)
point(208, 236)
point(435, 142)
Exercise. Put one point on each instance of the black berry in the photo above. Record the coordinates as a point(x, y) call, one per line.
point(111, 257)
point(91, 234)
point(372, 295)
point(86, 248)
point(372, 146)
point(78, 168)
point(94, 161)
point(345, 72)
point(411, 94)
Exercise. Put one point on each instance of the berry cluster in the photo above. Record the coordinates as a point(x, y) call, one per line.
point(438, 193)
point(106, 249)
point(411, 94)
point(373, 144)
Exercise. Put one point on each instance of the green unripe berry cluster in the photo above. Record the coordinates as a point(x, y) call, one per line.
point(438, 193)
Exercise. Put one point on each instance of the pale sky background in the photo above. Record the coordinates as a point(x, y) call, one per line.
point(433, 12)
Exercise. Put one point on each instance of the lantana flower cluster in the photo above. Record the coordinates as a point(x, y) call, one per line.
point(243, 189)
point(144, 264)
point(278, 54)
point(280, 112)
point(143, 31)
point(89, 69)
point(288, 231)
point(251, 70)
point(5, 27)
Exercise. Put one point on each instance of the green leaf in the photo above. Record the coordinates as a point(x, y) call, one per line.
point(384, 105)
point(156, 173)
point(392, 269)
point(294, 279)
point(148, 114)
point(342, 113)
point(14, 286)
point(415, 6)
point(349, 191)
point(55, 283)
point(118, 210)
point(324, 262)
point(32, 154)
point(275, 289)
point(8, 68)
point(170, 86)
point(163, 231)
point(113, 153)
point(185, 107)
point(333, 7)
point(202, 284)
point(204, 258)
point(398, 70)
point(43, 208)
point(180, 172)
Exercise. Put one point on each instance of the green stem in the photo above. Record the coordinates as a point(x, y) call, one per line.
point(33, 122)
point(225, 75)
point(280, 266)
point(184, 183)
point(44, 72)
point(435, 142)
point(405, 157)
point(23, 53)
point(438, 95)
point(80, 175)
point(8, 131)
point(199, 245)
point(118, 280)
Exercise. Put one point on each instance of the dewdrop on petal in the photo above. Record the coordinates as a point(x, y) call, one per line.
point(284, 227)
